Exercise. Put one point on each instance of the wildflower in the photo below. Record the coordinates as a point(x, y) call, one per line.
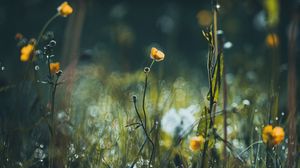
point(272, 136)
point(272, 40)
point(19, 36)
point(65, 9)
point(26, 52)
point(278, 135)
point(176, 122)
point(267, 133)
point(196, 143)
point(156, 54)
point(204, 18)
point(54, 67)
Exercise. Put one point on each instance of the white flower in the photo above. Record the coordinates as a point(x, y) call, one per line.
point(170, 121)
point(177, 122)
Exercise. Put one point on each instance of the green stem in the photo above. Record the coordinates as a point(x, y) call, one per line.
point(52, 142)
point(144, 129)
point(151, 64)
point(254, 143)
point(144, 99)
point(45, 27)
point(141, 149)
point(225, 115)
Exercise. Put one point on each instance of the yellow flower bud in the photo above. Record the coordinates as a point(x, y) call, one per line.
point(196, 143)
point(65, 9)
point(156, 54)
point(278, 135)
point(26, 52)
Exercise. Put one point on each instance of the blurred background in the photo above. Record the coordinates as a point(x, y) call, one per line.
point(127, 29)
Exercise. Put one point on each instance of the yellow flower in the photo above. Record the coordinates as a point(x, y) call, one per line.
point(54, 67)
point(65, 9)
point(267, 133)
point(156, 54)
point(272, 136)
point(278, 135)
point(272, 40)
point(26, 52)
point(196, 143)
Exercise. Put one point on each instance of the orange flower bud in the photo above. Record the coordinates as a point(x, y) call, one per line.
point(65, 9)
point(19, 36)
point(54, 67)
point(272, 40)
point(204, 18)
point(156, 54)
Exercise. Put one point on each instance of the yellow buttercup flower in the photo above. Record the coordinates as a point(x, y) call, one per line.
point(65, 9)
point(272, 136)
point(26, 52)
point(278, 135)
point(267, 133)
point(156, 54)
point(272, 40)
point(196, 143)
point(54, 67)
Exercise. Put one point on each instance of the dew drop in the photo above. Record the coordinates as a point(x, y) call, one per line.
point(76, 156)
point(2, 68)
point(72, 148)
point(228, 45)
point(256, 129)
point(282, 113)
point(36, 68)
point(276, 118)
point(20, 164)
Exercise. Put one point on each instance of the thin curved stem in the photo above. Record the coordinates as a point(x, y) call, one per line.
point(151, 64)
point(140, 150)
point(145, 131)
point(45, 27)
point(144, 94)
point(254, 143)
point(54, 85)
point(144, 99)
